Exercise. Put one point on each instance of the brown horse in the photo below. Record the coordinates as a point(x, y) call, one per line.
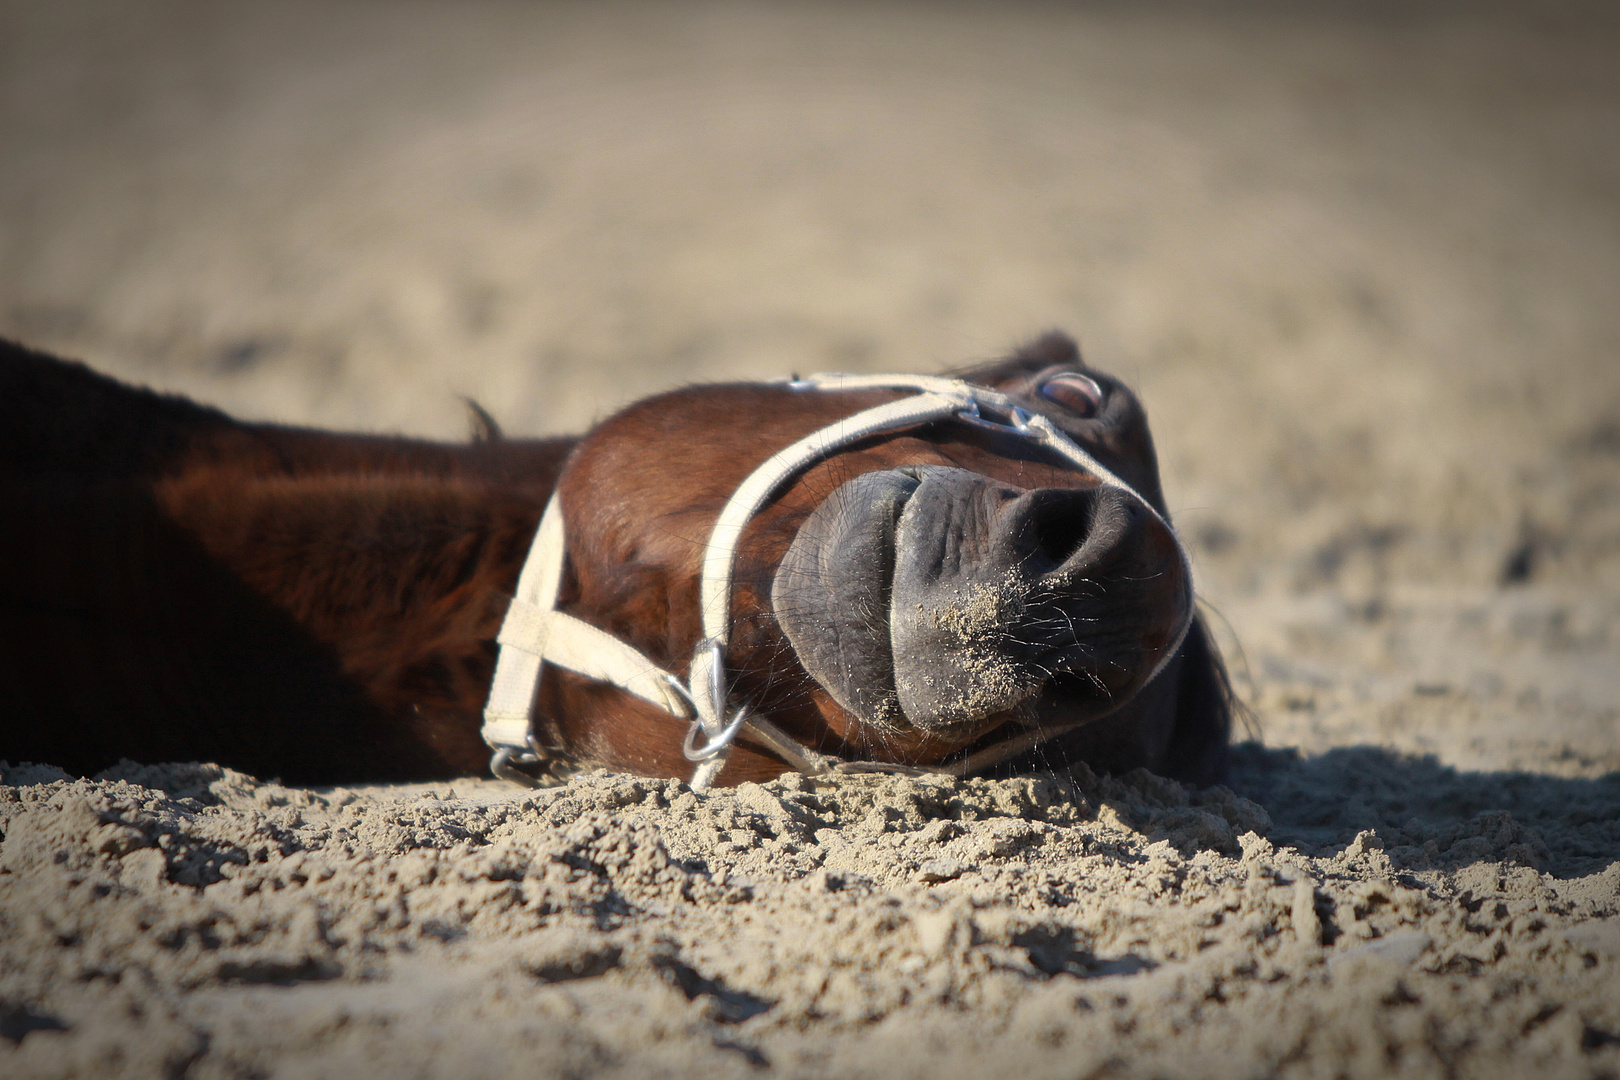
point(175, 584)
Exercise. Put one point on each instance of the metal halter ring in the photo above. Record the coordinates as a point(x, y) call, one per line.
point(501, 766)
point(715, 745)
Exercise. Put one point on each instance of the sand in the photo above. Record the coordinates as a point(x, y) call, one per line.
point(1361, 265)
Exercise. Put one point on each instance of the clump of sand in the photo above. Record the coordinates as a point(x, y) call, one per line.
point(186, 919)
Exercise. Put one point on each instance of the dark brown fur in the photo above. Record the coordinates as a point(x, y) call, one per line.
point(176, 584)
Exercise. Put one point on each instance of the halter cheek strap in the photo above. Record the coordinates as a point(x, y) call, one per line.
point(535, 633)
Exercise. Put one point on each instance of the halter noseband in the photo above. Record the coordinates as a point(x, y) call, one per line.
point(536, 633)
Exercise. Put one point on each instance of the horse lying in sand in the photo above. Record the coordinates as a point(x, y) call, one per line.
point(968, 575)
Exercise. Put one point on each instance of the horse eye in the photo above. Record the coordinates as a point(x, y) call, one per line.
point(1077, 393)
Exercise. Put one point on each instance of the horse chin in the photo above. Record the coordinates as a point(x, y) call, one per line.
point(938, 601)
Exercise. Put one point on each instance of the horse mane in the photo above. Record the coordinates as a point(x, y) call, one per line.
point(1200, 742)
point(58, 416)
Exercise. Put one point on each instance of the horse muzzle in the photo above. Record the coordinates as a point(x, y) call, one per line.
point(941, 600)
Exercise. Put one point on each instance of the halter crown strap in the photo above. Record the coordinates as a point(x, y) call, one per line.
point(535, 633)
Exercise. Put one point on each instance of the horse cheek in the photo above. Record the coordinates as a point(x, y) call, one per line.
point(600, 725)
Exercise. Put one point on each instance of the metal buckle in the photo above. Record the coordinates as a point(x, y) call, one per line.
point(1016, 424)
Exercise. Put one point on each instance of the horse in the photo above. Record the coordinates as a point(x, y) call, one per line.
point(973, 574)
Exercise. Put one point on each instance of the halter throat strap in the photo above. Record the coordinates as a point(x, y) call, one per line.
point(535, 633)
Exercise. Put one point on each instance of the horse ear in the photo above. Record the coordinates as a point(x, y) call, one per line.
point(480, 425)
point(1051, 349)
point(1198, 750)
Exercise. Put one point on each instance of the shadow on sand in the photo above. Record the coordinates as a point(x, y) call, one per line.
point(1427, 813)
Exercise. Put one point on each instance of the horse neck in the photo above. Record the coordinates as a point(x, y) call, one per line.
point(397, 557)
point(175, 583)
point(61, 419)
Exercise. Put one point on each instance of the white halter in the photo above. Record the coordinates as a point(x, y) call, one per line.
point(536, 633)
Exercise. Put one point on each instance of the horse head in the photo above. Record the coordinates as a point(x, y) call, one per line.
point(937, 594)
point(835, 573)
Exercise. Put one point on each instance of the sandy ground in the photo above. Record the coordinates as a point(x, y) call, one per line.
point(1362, 263)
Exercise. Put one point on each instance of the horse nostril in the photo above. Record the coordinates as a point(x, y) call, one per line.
point(1068, 528)
point(1060, 528)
